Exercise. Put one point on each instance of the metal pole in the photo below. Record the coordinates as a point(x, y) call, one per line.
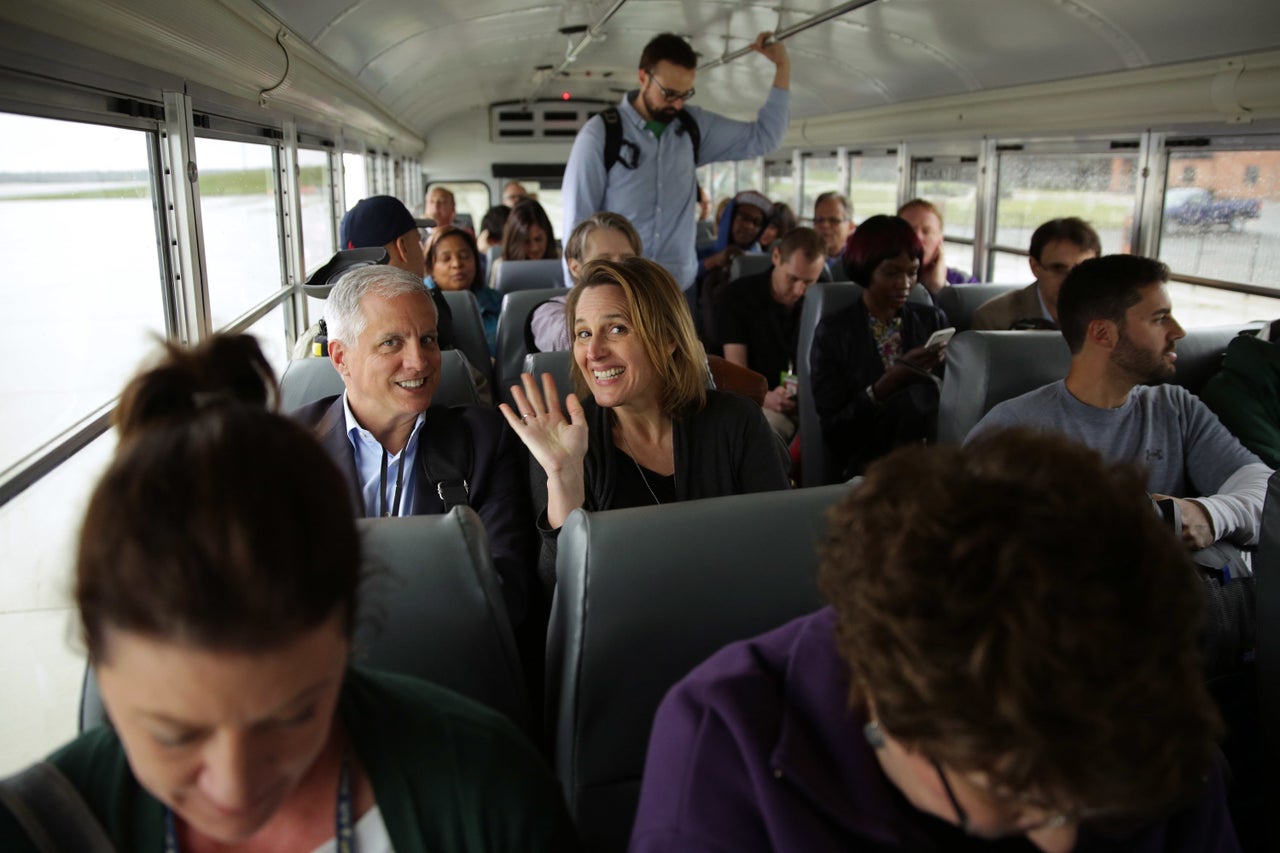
point(592, 34)
point(820, 18)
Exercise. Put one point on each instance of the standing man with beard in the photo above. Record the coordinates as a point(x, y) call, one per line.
point(659, 142)
point(1117, 319)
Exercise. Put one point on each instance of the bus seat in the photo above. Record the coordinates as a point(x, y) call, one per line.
point(514, 338)
point(1266, 570)
point(558, 364)
point(431, 607)
point(822, 299)
point(308, 379)
point(985, 368)
point(642, 596)
point(468, 330)
point(1200, 353)
point(492, 254)
point(959, 302)
point(749, 264)
point(529, 275)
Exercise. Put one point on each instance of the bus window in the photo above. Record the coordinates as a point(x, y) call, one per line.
point(471, 198)
point(1100, 188)
point(873, 185)
point(239, 217)
point(38, 660)
point(1221, 221)
point(780, 182)
point(719, 182)
point(355, 181)
point(952, 185)
point(315, 189)
point(81, 287)
point(821, 175)
point(750, 175)
point(270, 332)
point(315, 185)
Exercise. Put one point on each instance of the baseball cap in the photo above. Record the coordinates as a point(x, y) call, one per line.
point(376, 221)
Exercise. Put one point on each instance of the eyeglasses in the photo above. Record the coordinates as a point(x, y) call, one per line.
point(670, 96)
point(1051, 819)
point(828, 220)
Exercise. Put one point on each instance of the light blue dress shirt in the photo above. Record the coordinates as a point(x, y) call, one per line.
point(660, 195)
point(368, 458)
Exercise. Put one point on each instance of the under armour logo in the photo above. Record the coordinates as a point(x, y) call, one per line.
point(1155, 455)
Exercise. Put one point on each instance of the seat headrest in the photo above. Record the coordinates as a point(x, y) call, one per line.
point(323, 279)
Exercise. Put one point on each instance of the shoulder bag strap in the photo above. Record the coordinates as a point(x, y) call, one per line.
point(56, 818)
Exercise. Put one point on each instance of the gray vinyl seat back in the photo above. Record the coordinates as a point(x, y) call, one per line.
point(306, 380)
point(529, 275)
point(1201, 352)
point(515, 340)
point(644, 595)
point(558, 364)
point(959, 302)
point(431, 607)
point(492, 254)
point(468, 330)
point(820, 300)
point(1266, 570)
point(985, 368)
point(749, 263)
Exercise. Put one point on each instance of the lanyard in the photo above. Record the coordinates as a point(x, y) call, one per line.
point(343, 835)
point(382, 484)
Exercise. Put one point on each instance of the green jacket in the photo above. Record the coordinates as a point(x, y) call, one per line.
point(448, 775)
point(1245, 395)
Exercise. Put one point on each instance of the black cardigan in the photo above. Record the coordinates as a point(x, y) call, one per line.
point(725, 448)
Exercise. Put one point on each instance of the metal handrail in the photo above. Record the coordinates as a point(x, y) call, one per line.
point(782, 35)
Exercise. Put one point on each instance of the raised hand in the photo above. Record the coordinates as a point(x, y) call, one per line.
point(558, 443)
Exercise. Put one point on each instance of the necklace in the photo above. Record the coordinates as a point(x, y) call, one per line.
point(626, 445)
point(344, 832)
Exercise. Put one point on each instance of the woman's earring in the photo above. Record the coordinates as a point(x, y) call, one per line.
point(875, 737)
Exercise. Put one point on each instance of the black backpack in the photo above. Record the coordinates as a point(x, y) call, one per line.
point(614, 143)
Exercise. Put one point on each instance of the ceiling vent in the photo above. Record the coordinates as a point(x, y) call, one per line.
point(520, 121)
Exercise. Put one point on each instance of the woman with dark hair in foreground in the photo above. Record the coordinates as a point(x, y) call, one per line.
point(216, 582)
point(1009, 662)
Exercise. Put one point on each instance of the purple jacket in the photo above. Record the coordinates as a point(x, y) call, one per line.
point(749, 752)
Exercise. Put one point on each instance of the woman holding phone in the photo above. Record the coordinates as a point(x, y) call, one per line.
point(872, 363)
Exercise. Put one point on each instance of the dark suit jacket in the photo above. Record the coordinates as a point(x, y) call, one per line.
point(495, 474)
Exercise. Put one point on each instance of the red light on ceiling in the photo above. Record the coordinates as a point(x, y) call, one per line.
point(564, 96)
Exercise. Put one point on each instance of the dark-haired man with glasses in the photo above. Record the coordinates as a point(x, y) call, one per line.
point(663, 139)
point(1057, 247)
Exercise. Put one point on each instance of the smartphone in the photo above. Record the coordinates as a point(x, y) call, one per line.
point(940, 337)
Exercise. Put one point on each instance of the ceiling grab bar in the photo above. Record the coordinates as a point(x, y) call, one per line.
point(781, 35)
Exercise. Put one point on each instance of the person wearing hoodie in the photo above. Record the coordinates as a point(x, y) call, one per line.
point(741, 224)
point(1245, 393)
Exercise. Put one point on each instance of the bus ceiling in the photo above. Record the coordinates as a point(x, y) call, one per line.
point(399, 69)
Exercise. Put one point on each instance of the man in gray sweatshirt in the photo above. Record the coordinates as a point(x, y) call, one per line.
point(1118, 322)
